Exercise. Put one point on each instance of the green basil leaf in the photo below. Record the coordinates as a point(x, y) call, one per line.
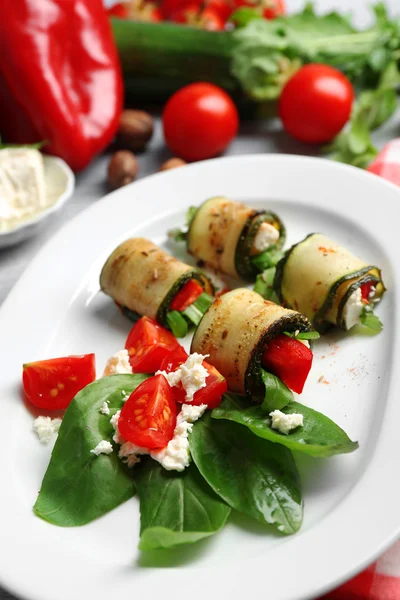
point(190, 215)
point(35, 146)
point(79, 486)
point(319, 436)
point(303, 335)
point(265, 284)
point(177, 323)
point(175, 508)
point(277, 394)
point(370, 320)
point(253, 476)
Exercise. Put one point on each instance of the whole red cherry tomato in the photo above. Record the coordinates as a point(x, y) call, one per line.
point(316, 103)
point(199, 121)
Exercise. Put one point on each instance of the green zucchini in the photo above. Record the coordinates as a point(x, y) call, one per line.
point(222, 232)
point(317, 277)
point(142, 279)
point(234, 332)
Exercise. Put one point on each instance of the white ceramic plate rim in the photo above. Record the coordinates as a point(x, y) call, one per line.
point(348, 538)
point(43, 214)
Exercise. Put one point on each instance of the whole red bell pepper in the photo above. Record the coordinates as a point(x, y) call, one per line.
point(60, 78)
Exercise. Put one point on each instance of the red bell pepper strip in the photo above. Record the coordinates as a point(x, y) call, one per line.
point(288, 359)
point(187, 295)
point(60, 78)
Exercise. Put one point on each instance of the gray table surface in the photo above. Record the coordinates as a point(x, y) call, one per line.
point(254, 138)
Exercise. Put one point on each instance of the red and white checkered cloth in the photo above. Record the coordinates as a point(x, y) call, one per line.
point(381, 581)
point(387, 164)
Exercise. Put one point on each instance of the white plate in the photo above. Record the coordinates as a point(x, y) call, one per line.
point(351, 502)
point(60, 183)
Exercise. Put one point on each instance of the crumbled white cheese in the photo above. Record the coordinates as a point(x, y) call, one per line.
point(118, 364)
point(285, 423)
point(103, 447)
point(176, 455)
point(191, 374)
point(305, 342)
point(266, 236)
point(22, 185)
point(372, 293)
point(46, 428)
point(352, 309)
point(105, 409)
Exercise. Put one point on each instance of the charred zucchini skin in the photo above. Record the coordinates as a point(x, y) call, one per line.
point(244, 266)
point(178, 285)
point(253, 383)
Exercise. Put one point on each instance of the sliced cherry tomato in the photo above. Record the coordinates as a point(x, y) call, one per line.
point(147, 344)
point(187, 13)
point(199, 120)
point(211, 20)
point(53, 383)
point(211, 394)
point(316, 103)
point(187, 295)
point(148, 417)
point(288, 359)
point(174, 360)
point(171, 7)
point(120, 10)
point(366, 289)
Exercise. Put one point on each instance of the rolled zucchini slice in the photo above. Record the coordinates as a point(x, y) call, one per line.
point(230, 237)
point(143, 279)
point(236, 330)
point(323, 281)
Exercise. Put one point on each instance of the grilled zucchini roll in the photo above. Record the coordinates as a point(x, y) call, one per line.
point(233, 238)
point(328, 284)
point(144, 280)
point(237, 332)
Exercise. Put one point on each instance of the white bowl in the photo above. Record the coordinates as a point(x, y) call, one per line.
point(60, 184)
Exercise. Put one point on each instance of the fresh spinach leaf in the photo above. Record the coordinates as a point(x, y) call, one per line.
point(277, 394)
point(303, 335)
point(319, 436)
point(79, 486)
point(370, 320)
point(176, 508)
point(252, 475)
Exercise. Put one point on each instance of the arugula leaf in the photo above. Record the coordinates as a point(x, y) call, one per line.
point(319, 436)
point(303, 335)
point(179, 234)
point(252, 475)
point(354, 145)
point(177, 323)
point(277, 394)
point(267, 259)
point(176, 508)
point(79, 486)
point(370, 320)
point(264, 285)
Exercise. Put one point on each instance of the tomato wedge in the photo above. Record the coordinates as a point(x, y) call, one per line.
point(148, 343)
point(187, 295)
point(288, 359)
point(211, 394)
point(53, 383)
point(148, 417)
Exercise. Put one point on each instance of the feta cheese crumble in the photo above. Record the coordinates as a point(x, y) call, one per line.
point(352, 309)
point(118, 363)
point(176, 455)
point(46, 428)
point(285, 423)
point(191, 374)
point(103, 447)
point(266, 236)
point(104, 409)
point(305, 342)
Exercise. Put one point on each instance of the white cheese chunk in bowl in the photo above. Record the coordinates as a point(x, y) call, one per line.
point(32, 187)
